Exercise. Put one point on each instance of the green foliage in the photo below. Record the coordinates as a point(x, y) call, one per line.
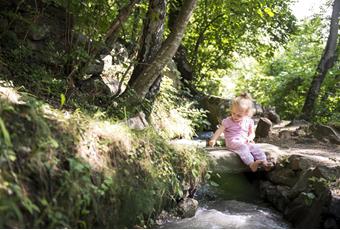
point(309, 197)
point(46, 182)
point(283, 81)
point(220, 28)
point(174, 113)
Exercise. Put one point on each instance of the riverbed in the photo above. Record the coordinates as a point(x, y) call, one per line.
point(231, 201)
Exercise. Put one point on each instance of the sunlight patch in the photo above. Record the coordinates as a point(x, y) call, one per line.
point(101, 142)
point(9, 93)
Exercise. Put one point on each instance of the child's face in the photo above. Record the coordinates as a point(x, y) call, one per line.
point(237, 114)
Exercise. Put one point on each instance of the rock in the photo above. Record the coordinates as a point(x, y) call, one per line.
point(225, 161)
point(218, 108)
point(95, 67)
point(277, 195)
point(306, 211)
point(328, 172)
point(302, 183)
point(263, 127)
point(300, 123)
point(335, 125)
point(257, 109)
point(306, 189)
point(334, 207)
point(286, 134)
point(330, 223)
point(272, 152)
point(137, 122)
point(324, 131)
point(196, 143)
point(94, 87)
point(303, 163)
point(272, 116)
point(39, 32)
point(283, 176)
point(300, 132)
point(205, 135)
point(187, 207)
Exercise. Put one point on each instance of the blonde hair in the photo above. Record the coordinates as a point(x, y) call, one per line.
point(244, 102)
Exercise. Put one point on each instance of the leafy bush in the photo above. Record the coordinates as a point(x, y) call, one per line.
point(174, 114)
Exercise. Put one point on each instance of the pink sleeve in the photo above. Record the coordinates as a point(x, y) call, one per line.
point(251, 125)
point(226, 123)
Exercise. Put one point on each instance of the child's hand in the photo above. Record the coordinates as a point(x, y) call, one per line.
point(212, 143)
point(250, 140)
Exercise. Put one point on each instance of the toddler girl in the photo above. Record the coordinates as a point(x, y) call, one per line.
point(239, 133)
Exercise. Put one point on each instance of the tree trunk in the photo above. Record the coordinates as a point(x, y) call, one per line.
point(327, 61)
point(152, 36)
point(123, 15)
point(181, 57)
point(147, 77)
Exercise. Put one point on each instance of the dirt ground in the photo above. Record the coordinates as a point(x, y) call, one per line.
point(304, 144)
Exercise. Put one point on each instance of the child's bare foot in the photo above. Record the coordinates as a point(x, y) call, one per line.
point(267, 166)
point(253, 166)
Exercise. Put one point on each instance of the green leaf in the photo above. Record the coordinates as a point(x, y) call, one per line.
point(12, 157)
point(212, 183)
point(259, 12)
point(5, 133)
point(62, 99)
point(269, 12)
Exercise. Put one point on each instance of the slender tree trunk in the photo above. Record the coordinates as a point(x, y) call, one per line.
point(327, 61)
point(110, 37)
point(123, 15)
point(200, 39)
point(134, 33)
point(147, 77)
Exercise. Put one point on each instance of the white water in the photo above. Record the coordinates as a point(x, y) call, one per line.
point(230, 214)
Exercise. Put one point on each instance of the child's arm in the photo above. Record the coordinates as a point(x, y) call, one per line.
point(217, 133)
point(251, 133)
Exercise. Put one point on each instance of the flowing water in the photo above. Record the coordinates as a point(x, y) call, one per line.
point(230, 201)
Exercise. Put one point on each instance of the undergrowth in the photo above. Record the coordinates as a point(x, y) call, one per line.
point(62, 169)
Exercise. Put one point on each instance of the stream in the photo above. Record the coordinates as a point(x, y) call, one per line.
point(231, 201)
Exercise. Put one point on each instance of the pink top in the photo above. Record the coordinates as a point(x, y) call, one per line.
point(237, 131)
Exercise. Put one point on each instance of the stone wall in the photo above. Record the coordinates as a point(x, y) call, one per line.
point(306, 189)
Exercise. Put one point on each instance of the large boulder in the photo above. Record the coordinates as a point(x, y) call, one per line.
point(326, 132)
point(272, 116)
point(334, 210)
point(224, 160)
point(218, 108)
point(187, 207)
point(263, 128)
point(137, 122)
